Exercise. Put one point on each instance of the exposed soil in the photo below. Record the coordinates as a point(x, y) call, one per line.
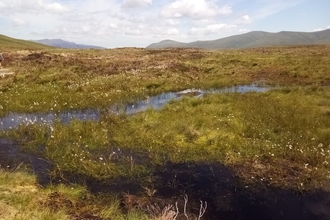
point(11, 158)
point(56, 202)
point(228, 199)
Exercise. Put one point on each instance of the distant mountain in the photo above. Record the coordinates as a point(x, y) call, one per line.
point(8, 42)
point(65, 44)
point(252, 40)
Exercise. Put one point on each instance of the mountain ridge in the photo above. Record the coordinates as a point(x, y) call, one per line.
point(66, 44)
point(9, 42)
point(252, 39)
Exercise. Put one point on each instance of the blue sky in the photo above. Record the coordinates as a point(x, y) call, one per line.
point(137, 23)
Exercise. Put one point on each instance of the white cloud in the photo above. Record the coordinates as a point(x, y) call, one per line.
point(79, 17)
point(132, 31)
point(61, 30)
point(194, 9)
point(136, 3)
point(172, 31)
point(212, 29)
point(172, 22)
point(204, 22)
point(113, 26)
point(18, 22)
point(136, 19)
point(245, 19)
point(32, 6)
point(139, 22)
point(86, 28)
point(321, 29)
point(53, 7)
point(244, 30)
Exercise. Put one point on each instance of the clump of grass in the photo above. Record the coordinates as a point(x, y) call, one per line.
point(85, 148)
point(22, 198)
point(32, 137)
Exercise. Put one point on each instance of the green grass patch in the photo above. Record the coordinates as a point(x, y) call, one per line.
point(22, 198)
point(236, 128)
point(58, 79)
point(279, 138)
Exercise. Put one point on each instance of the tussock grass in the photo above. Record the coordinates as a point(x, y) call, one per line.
point(22, 198)
point(85, 148)
point(60, 79)
point(279, 130)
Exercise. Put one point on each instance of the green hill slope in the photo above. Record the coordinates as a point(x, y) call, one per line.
point(8, 42)
point(254, 39)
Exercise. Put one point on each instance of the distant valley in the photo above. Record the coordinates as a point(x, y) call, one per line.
point(252, 40)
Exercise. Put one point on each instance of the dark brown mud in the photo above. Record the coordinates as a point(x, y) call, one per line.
point(229, 198)
point(11, 158)
point(225, 193)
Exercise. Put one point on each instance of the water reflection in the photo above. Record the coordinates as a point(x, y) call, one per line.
point(13, 120)
point(159, 101)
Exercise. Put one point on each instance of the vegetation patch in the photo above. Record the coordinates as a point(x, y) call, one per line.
point(248, 149)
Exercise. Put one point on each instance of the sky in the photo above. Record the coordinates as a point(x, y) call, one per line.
point(138, 23)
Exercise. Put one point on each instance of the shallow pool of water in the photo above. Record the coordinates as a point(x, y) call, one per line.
point(13, 120)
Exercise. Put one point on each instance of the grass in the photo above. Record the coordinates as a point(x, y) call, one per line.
point(279, 138)
point(283, 130)
point(69, 79)
point(22, 198)
point(85, 148)
point(12, 43)
point(269, 128)
point(18, 198)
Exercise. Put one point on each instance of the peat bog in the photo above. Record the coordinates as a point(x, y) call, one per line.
point(215, 183)
point(247, 154)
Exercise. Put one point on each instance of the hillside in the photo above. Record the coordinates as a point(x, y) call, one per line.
point(8, 42)
point(253, 39)
point(66, 44)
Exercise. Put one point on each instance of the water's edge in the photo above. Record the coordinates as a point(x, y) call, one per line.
point(13, 120)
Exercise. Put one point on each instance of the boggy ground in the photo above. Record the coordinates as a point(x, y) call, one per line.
point(72, 79)
point(249, 156)
point(226, 194)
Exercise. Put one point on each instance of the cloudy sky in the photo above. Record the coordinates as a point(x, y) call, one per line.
point(137, 23)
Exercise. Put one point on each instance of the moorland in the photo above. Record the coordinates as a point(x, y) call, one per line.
point(253, 155)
